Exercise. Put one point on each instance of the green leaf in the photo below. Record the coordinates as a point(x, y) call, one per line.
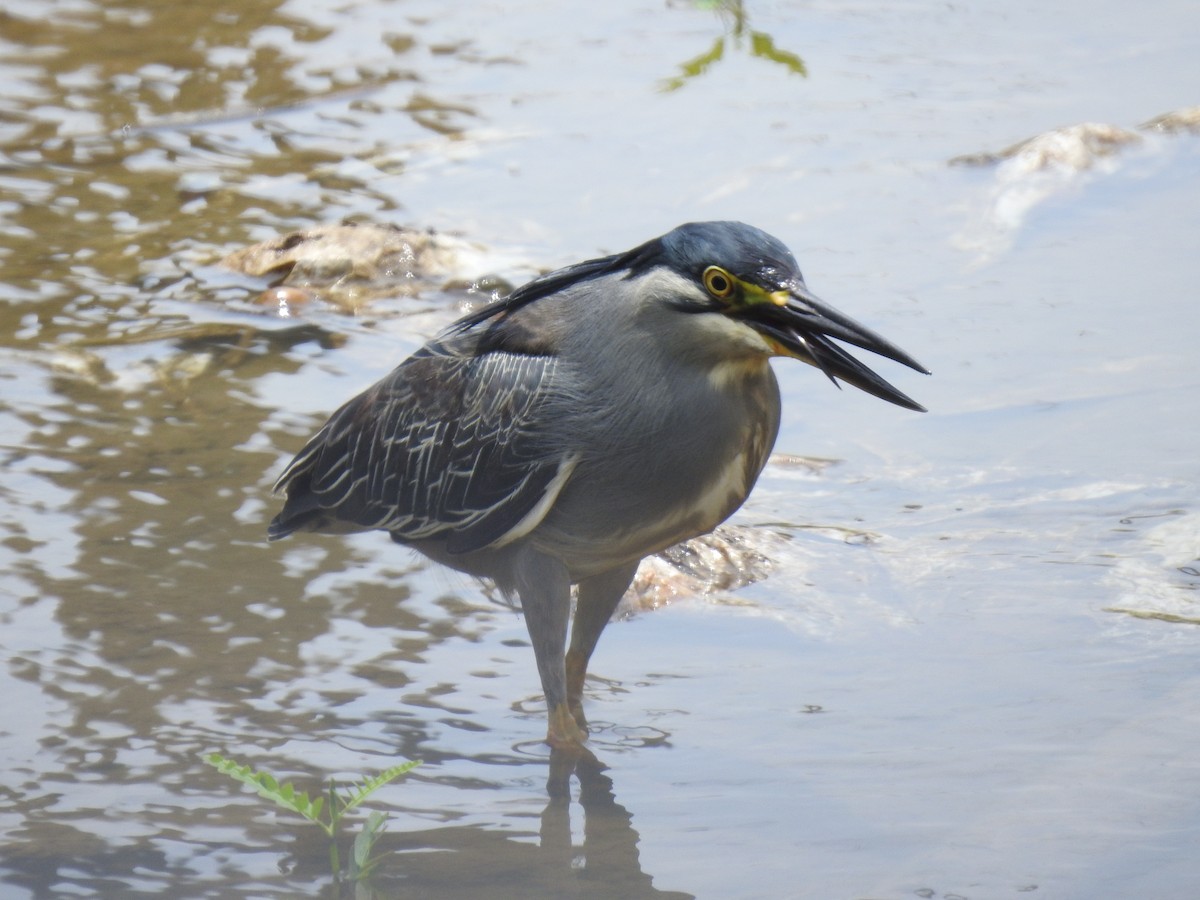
point(762, 45)
point(318, 804)
point(361, 864)
point(365, 789)
point(695, 66)
point(287, 796)
point(268, 786)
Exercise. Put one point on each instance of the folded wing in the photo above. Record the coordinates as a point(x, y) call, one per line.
point(448, 446)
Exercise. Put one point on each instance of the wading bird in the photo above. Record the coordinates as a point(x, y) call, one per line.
point(596, 415)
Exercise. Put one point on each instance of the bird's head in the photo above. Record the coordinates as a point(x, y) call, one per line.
point(740, 273)
point(748, 276)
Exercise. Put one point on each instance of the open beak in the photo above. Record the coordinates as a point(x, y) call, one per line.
point(800, 325)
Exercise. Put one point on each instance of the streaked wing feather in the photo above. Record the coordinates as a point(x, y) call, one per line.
point(447, 445)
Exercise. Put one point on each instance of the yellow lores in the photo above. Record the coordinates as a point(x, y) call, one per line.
point(722, 285)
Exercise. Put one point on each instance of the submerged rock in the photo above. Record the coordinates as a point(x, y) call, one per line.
point(1033, 170)
point(1176, 121)
point(350, 264)
point(719, 563)
point(1160, 579)
point(1076, 147)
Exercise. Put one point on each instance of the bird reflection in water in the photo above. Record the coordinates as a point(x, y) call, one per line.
point(471, 861)
point(609, 855)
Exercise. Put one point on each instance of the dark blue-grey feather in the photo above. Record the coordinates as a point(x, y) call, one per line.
point(449, 445)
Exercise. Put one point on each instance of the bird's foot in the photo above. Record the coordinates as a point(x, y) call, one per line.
point(575, 705)
point(565, 732)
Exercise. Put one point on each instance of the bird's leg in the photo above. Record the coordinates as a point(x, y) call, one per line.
point(598, 599)
point(545, 590)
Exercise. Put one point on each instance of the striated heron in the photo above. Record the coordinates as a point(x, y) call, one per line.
point(598, 414)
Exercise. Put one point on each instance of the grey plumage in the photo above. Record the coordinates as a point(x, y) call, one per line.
point(598, 414)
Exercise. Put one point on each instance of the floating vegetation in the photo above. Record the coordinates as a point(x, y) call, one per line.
point(1154, 614)
point(325, 810)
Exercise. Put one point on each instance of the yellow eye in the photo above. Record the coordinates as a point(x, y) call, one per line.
point(719, 282)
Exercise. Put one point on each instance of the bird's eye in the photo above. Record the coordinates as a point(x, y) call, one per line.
point(718, 282)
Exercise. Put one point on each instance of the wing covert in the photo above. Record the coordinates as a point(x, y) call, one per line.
point(447, 445)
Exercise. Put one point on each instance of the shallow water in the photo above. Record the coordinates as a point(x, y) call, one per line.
point(972, 671)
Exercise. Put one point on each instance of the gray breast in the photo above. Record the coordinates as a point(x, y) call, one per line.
point(664, 472)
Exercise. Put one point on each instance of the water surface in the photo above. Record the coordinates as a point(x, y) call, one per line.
point(972, 673)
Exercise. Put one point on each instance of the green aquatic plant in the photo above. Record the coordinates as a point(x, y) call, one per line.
point(737, 34)
point(325, 810)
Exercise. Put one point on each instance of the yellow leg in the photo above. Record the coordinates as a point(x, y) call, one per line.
point(576, 673)
point(564, 732)
point(598, 598)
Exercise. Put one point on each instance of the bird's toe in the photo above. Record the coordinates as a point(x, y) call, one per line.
point(567, 730)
